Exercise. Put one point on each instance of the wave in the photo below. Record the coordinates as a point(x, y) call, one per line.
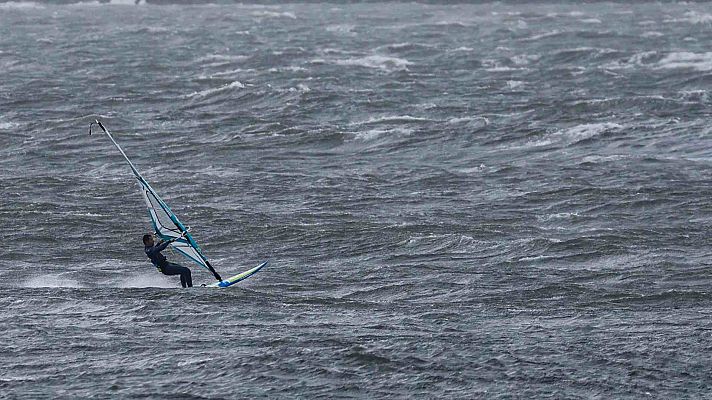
point(406, 48)
point(470, 171)
point(687, 60)
point(290, 68)
point(497, 67)
point(347, 29)
point(439, 243)
point(573, 135)
point(525, 59)
point(674, 295)
point(207, 92)
point(636, 60)
point(693, 17)
point(597, 159)
point(468, 121)
point(6, 126)
point(392, 119)
point(151, 30)
point(544, 35)
point(674, 60)
point(374, 134)
point(221, 57)
point(698, 18)
point(586, 131)
point(20, 5)
point(557, 216)
point(273, 14)
point(377, 62)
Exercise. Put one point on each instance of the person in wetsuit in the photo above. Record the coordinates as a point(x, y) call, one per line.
point(153, 251)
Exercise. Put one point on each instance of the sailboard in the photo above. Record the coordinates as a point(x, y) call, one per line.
point(239, 277)
point(167, 226)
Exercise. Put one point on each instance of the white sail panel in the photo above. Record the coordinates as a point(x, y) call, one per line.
point(166, 227)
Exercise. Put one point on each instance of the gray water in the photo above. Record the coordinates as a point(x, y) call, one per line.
point(458, 201)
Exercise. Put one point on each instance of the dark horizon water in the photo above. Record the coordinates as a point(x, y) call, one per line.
point(458, 201)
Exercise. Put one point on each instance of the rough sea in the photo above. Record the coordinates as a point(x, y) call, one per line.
point(458, 201)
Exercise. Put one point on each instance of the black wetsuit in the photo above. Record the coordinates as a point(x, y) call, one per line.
point(168, 268)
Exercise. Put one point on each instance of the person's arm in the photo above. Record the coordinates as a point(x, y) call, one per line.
point(163, 244)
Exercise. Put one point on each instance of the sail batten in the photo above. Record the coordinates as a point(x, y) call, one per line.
point(165, 223)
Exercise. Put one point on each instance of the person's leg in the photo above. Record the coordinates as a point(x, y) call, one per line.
point(175, 269)
point(187, 276)
point(182, 280)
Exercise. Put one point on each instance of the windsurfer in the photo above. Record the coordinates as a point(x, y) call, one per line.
point(153, 251)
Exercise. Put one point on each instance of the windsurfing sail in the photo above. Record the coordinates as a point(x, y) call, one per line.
point(165, 223)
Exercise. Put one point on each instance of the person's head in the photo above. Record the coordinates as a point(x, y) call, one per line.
point(148, 240)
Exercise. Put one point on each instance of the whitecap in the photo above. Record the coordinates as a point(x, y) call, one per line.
point(392, 119)
point(636, 60)
point(493, 65)
point(693, 17)
point(20, 5)
point(458, 24)
point(273, 14)
point(377, 62)
point(341, 28)
point(556, 216)
point(535, 258)
point(469, 121)
point(572, 135)
point(399, 46)
point(514, 84)
point(223, 74)
point(5, 125)
point(542, 35)
point(95, 3)
point(525, 59)
point(500, 69)
point(158, 29)
point(586, 131)
point(221, 57)
point(471, 170)
point(291, 68)
point(687, 60)
point(698, 18)
point(373, 134)
point(595, 159)
point(206, 92)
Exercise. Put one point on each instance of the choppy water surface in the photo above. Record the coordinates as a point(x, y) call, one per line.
point(458, 201)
